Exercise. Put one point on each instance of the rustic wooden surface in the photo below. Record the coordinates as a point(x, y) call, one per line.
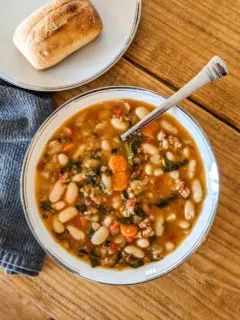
point(174, 40)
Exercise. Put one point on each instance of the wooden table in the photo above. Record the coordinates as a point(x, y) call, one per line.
point(175, 39)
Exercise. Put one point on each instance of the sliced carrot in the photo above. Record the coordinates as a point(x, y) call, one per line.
point(151, 129)
point(68, 147)
point(128, 230)
point(114, 228)
point(120, 180)
point(118, 163)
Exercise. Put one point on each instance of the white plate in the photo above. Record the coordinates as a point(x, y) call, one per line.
point(120, 21)
point(111, 276)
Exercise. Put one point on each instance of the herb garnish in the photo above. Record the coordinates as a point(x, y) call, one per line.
point(165, 202)
point(172, 166)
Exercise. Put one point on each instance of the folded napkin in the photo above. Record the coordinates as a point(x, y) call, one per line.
point(21, 113)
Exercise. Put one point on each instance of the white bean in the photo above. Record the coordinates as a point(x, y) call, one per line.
point(141, 112)
point(100, 235)
point(158, 226)
point(91, 163)
point(76, 233)
point(58, 227)
point(105, 145)
point(170, 156)
point(101, 126)
point(166, 125)
point(174, 174)
point(192, 168)
point(67, 214)
point(71, 193)
point(63, 159)
point(95, 225)
point(57, 191)
point(150, 149)
point(107, 181)
point(107, 221)
point(189, 210)
point(158, 172)
point(169, 246)
point(183, 224)
point(142, 243)
point(197, 191)
point(156, 159)
point(78, 177)
point(118, 124)
point(171, 217)
point(134, 251)
point(148, 169)
point(59, 205)
point(186, 152)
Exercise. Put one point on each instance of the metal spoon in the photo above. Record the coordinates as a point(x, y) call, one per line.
point(215, 69)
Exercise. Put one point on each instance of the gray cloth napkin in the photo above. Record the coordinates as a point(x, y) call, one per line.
point(21, 113)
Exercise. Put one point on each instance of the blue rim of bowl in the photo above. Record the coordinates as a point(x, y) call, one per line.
point(98, 74)
point(34, 141)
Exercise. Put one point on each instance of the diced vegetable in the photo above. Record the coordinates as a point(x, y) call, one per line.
point(68, 147)
point(128, 230)
point(151, 129)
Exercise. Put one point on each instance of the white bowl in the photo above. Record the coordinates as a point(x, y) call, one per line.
point(110, 276)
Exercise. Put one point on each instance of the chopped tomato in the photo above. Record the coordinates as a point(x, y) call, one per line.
point(77, 221)
point(84, 222)
point(114, 228)
point(113, 248)
point(131, 202)
point(89, 201)
point(121, 109)
point(128, 230)
point(129, 239)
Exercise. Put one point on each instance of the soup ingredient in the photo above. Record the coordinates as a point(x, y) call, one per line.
point(76, 233)
point(100, 235)
point(67, 214)
point(58, 227)
point(197, 191)
point(151, 129)
point(134, 251)
point(57, 192)
point(128, 230)
point(71, 193)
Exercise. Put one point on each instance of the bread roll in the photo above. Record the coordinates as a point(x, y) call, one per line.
point(56, 30)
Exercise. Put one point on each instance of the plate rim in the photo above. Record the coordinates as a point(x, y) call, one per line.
point(97, 75)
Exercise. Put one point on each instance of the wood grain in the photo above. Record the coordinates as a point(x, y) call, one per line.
point(176, 39)
point(13, 305)
point(207, 286)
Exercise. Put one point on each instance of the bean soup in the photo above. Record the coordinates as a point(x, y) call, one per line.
point(120, 204)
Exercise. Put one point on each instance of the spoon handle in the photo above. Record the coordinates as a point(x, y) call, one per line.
point(215, 69)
